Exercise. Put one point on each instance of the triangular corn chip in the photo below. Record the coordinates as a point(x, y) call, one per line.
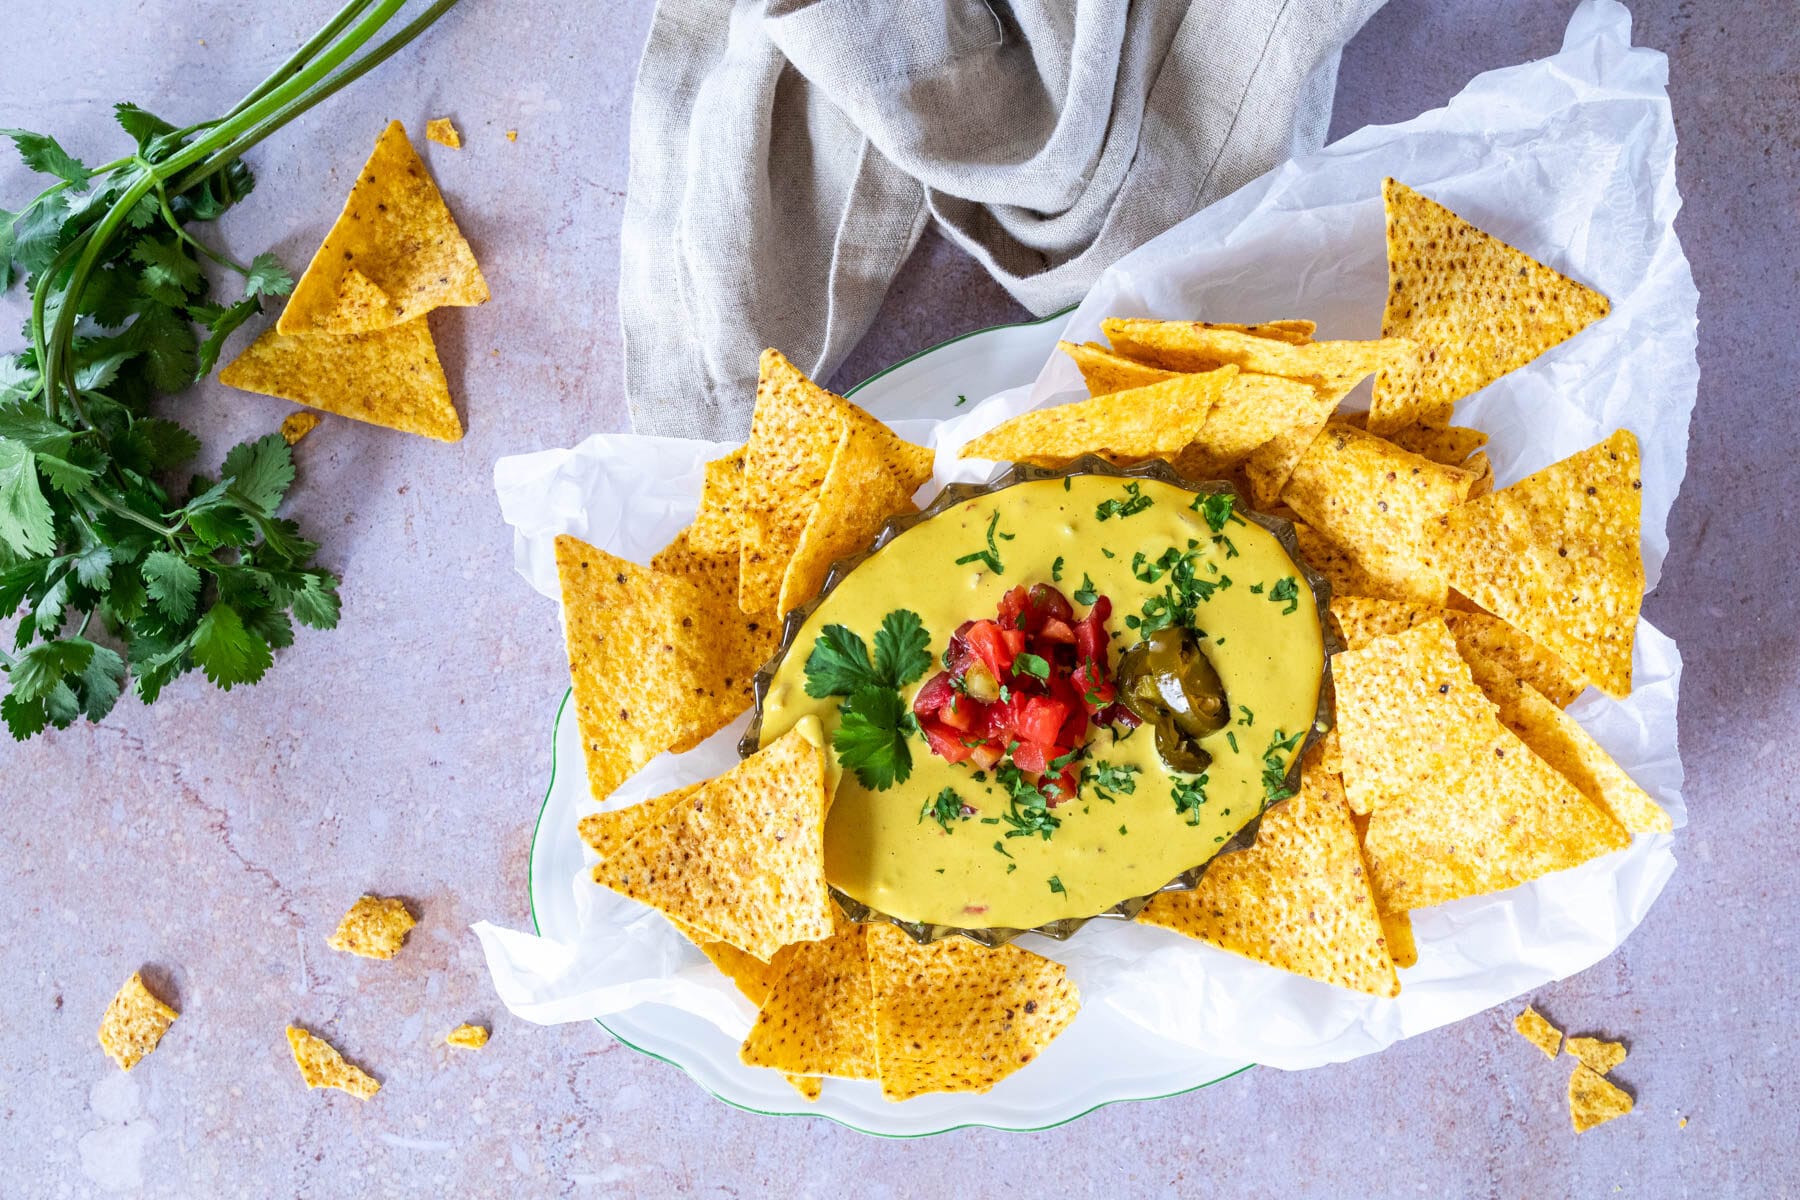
point(1559, 740)
point(1194, 346)
point(1532, 1026)
point(321, 1066)
point(1373, 500)
point(398, 237)
point(819, 1015)
point(1271, 464)
point(1298, 899)
point(1594, 1101)
point(1347, 576)
point(1362, 619)
point(1105, 372)
point(718, 526)
point(742, 642)
point(1160, 343)
point(652, 667)
point(390, 377)
point(1483, 634)
point(605, 832)
point(742, 858)
point(1477, 307)
point(953, 1016)
point(754, 978)
point(794, 435)
point(860, 494)
point(1451, 446)
point(1557, 555)
point(1125, 427)
point(1458, 805)
point(1402, 947)
point(134, 1023)
point(1596, 1055)
point(1253, 411)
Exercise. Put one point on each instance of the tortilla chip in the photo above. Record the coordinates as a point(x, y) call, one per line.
point(1397, 928)
point(1298, 899)
point(134, 1023)
point(1451, 445)
point(1193, 346)
point(859, 496)
point(742, 858)
point(717, 527)
point(1346, 575)
point(1362, 619)
point(809, 1086)
point(819, 1017)
point(375, 927)
point(1123, 427)
point(1270, 465)
point(794, 435)
point(1482, 467)
point(1596, 1055)
point(1160, 343)
point(397, 233)
point(1458, 805)
point(953, 1016)
point(467, 1037)
point(1105, 372)
point(321, 1066)
point(605, 832)
point(1483, 634)
point(1559, 740)
point(743, 642)
point(1535, 1029)
point(1394, 401)
point(1558, 555)
point(1255, 410)
point(1594, 1101)
point(295, 426)
point(390, 377)
point(441, 131)
point(1477, 307)
point(1373, 500)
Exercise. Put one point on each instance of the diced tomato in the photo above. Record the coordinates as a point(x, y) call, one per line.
point(1001, 719)
point(1055, 630)
point(945, 742)
point(986, 755)
point(1091, 641)
point(985, 640)
point(1040, 720)
point(1015, 643)
point(1063, 787)
point(1050, 602)
point(960, 713)
point(1031, 758)
point(1012, 607)
point(935, 694)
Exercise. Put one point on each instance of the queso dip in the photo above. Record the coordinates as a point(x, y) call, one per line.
point(1135, 822)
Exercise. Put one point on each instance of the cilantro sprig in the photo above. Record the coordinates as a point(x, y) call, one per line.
point(101, 513)
point(1134, 503)
point(1275, 767)
point(874, 722)
point(989, 557)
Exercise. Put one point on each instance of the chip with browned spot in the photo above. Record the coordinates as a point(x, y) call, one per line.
point(953, 1016)
point(818, 1017)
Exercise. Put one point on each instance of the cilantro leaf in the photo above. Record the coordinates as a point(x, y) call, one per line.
point(169, 346)
point(38, 233)
point(170, 274)
point(41, 667)
point(27, 524)
point(24, 718)
point(1286, 591)
point(1189, 796)
point(946, 807)
point(101, 681)
point(227, 651)
point(173, 584)
point(902, 648)
point(267, 277)
point(1031, 664)
point(221, 322)
point(839, 664)
point(316, 605)
point(44, 155)
point(260, 471)
point(871, 738)
point(141, 125)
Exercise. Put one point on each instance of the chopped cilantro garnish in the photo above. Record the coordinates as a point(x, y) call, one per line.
point(1130, 507)
point(960, 400)
point(1063, 760)
point(1231, 738)
point(1121, 831)
point(1066, 482)
point(946, 807)
point(1001, 849)
point(1274, 776)
point(1056, 570)
point(1257, 588)
point(1033, 665)
point(1085, 594)
point(1029, 809)
point(1216, 509)
point(1286, 591)
point(1189, 795)
point(1106, 778)
point(991, 555)
point(1231, 550)
point(871, 737)
point(1107, 553)
point(1246, 718)
point(1056, 885)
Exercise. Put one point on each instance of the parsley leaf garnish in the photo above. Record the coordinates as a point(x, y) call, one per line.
point(839, 664)
point(1107, 778)
point(871, 737)
point(1085, 594)
point(944, 808)
point(902, 648)
point(1274, 775)
point(1189, 795)
point(1135, 503)
point(1286, 591)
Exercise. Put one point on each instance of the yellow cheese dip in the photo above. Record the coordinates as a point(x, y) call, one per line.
point(1269, 654)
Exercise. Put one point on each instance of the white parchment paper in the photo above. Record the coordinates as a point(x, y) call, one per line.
point(1570, 158)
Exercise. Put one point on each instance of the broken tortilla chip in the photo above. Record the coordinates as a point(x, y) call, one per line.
point(859, 496)
point(390, 377)
point(1161, 344)
point(650, 669)
point(1271, 464)
point(467, 1037)
point(1451, 445)
point(321, 1066)
point(375, 927)
point(819, 1016)
point(1458, 805)
point(443, 132)
point(1532, 1026)
point(1558, 556)
point(953, 1016)
point(1559, 740)
point(1596, 1055)
point(1105, 372)
point(295, 426)
point(1373, 500)
point(717, 526)
point(741, 859)
point(1193, 346)
point(1297, 899)
point(398, 235)
point(1402, 947)
point(1594, 1101)
point(1477, 307)
point(604, 832)
point(1124, 427)
point(134, 1023)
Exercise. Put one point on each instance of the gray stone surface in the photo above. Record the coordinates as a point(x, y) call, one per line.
point(213, 840)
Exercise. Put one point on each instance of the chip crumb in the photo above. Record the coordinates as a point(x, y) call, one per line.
point(321, 1066)
point(1593, 1101)
point(512, 135)
point(1682, 1124)
point(469, 1037)
point(134, 1023)
point(441, 131)
point(1535, 1029)
point(1598, 1056)
point(375, 927)
point(297, 425)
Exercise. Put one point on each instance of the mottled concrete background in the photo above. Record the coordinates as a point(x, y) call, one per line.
point(214, 840)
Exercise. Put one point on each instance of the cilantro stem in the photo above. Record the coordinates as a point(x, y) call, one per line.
point(162, 199)
point(300, 57)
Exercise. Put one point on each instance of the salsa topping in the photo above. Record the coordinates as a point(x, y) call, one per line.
point(1017, 694)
